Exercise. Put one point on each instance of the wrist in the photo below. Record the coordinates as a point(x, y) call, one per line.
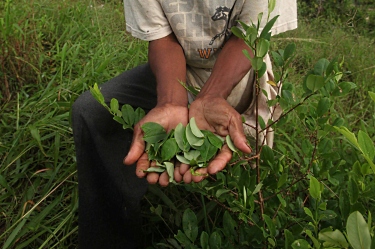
point(173, 100)
point(215, 90)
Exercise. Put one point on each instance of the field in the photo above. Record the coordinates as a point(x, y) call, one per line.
point(52, 51)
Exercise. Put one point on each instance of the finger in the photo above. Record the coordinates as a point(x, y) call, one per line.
point(237, 135)
point(177, 175)
point(221, 131)
point(152, 177)
point(142, 164)
point(187, 177)
point(220, 161)
point(184, 168)
point(137, 147)
point(200, 175)
point(164, 179)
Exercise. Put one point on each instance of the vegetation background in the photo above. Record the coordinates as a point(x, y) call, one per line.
point(52, 51)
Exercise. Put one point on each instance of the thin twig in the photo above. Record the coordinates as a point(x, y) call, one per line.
point(285, 114)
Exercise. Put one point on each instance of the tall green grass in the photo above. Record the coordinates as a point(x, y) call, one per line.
point(54, 50)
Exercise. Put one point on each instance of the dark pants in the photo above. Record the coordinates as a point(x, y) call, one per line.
point(109, 191)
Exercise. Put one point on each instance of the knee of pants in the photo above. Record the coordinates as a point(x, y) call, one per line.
point(87, 108)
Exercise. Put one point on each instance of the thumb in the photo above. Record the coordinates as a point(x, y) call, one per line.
point(238, 137)
point(137, 148)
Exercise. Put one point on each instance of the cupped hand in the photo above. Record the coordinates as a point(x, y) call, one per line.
point(168, 116)
point(218, 116)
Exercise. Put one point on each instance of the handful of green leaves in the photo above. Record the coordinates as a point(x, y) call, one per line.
point(188, 145)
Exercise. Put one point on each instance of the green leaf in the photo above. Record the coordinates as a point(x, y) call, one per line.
point(169, 149)
point(270, 225)
point(366, 145)
point(207, 150)
point(260, 16)
point(309, 213)
point(289, 238)
point(215, 241)
point(271, 6)
point(128, 114)
point(215, 140)
point(114, 106)
point(192, 155)
point(268, 27)
point(267, 155)
point(314, 82)
point(181, 237)
point(153, 132)
point(155, 169)
point(237, 32)
point(219, 192)
point(282, 200)
point(344, 204)
point(97, 94)
point(314, 188)
point(348, 135)
point(247, 54)
point(257, 188)
point(343, 88)
point(179, 134)
point(327, 215)
point(138, 115)
point(323, 206)
point(353, 191)
point(301, 243)
point(243, 25)
point(323, 106)
point(289, 51)
point(204, 240)
point(170, 170)
point(282, 180)
point(314, 240)
point(230, 144)
point(262, 47)
point(277, 58)
point(321, 66)
point(182, 159)
point(262, 70)
point(358, 233)
point(194, 128)
point(262, 124)
point(193, 140)
point(190, 224)
point(257, 63)
point(229, 225)
point(372, 95)
point(334, 238)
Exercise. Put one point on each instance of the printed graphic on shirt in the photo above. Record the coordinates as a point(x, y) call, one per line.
point(221, 13)
point(201, 27)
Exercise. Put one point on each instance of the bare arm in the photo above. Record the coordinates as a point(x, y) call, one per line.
point(230, 67)
point(168, 64)
point(167, 61)
point(212, 111)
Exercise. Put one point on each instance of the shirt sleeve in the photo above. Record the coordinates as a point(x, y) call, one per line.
point(286, 9)
point(146, 19)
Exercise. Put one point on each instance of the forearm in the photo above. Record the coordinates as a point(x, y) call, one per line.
point(167, 61)
point(230, 67)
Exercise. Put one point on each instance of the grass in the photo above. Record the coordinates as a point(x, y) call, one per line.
point(54, 50)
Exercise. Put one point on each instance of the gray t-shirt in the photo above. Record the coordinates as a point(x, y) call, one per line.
point(201, 26)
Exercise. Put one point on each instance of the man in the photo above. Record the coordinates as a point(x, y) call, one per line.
point(190, 42)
